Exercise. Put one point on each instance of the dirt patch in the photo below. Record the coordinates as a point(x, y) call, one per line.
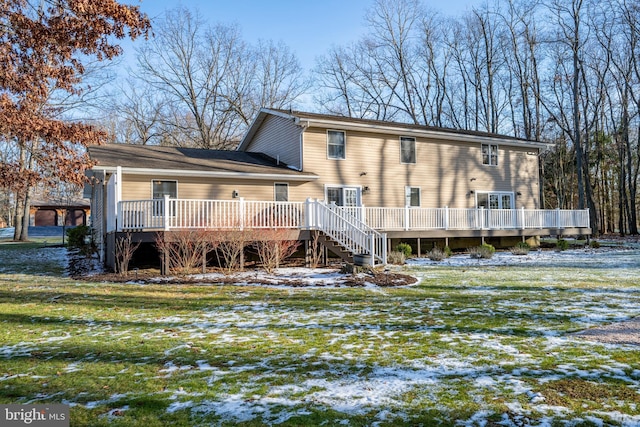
point(382, 279)
point(627, 332)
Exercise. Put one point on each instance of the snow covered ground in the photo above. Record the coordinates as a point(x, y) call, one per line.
point(362, 352)
point(605, 257)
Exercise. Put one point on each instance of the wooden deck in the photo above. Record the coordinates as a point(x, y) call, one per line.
point(362, 230)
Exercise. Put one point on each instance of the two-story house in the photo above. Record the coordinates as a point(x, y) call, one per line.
point(366, 184)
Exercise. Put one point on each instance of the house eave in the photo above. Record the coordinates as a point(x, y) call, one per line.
point(208, 174)
point(428, 133)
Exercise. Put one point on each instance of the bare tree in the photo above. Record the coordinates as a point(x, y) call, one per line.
point(522, 56)
point(138, 115)
point(211, 82)
point(278, 79)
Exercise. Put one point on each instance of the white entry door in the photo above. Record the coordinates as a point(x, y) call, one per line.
point(348, 198)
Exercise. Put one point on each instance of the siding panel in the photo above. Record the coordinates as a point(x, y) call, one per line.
point(278, 137)
point(138, 187)
point(446, 171)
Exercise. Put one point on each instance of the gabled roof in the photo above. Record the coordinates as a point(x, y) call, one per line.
point(384, 127)
point(155, 160)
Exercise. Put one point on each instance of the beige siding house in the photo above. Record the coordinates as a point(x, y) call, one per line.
point(363, 184)
point(440, 167)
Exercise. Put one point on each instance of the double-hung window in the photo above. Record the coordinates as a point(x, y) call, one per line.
point(281, 192)
point(490, 154)
point(407, 149)
point(336, 144)
point(412, 196)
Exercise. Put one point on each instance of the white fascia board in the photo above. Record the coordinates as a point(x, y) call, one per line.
point(399, 130)
point(208, 174)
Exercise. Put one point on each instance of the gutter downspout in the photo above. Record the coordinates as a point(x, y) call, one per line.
point(304, 125)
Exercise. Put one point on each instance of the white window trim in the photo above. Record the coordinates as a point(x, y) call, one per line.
point(358, 188)
point(164, 180)
point(499, 194)
point(407, 196)
point(345, 144)
point(172, 213)
point(286, 184)
point(491, 148)
point(415, 153)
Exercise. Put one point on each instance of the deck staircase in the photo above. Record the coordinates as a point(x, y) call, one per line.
point(346, 235)
point(336, 248)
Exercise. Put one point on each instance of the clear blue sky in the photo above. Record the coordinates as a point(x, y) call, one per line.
point(308, 27)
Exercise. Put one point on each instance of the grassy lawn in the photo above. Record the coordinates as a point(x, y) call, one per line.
point(470, 345)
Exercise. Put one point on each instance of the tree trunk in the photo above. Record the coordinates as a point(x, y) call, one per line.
point(631, 188)
point(17, 218)
point(576, 127)
point(26, 217)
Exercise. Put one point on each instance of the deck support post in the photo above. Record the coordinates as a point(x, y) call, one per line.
point(307, 252)
point(418, 243)
point(164, 263)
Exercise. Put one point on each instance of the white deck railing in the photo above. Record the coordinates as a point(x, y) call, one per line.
point(345, 227)
point(395, 219)
point(354, 228)
point(167, 214)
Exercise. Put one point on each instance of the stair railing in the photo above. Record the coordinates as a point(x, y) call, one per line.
point(348, 230)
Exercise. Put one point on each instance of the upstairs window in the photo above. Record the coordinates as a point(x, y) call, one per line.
point(407, 149)
point(336, 142)
point(490, 154)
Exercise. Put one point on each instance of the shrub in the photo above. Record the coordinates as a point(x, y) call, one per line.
point(124, 251)
point(562, 245)
point(447, 251)
point(522, 248)
point(185, 250)
point(80, 238)
point(396, 257)
point(405, 248)
point(315, 250)
point(272, 248)
point(76, 237)
point(594, 244)
point(436, 254)
point(231, 244)
point(484, 251)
